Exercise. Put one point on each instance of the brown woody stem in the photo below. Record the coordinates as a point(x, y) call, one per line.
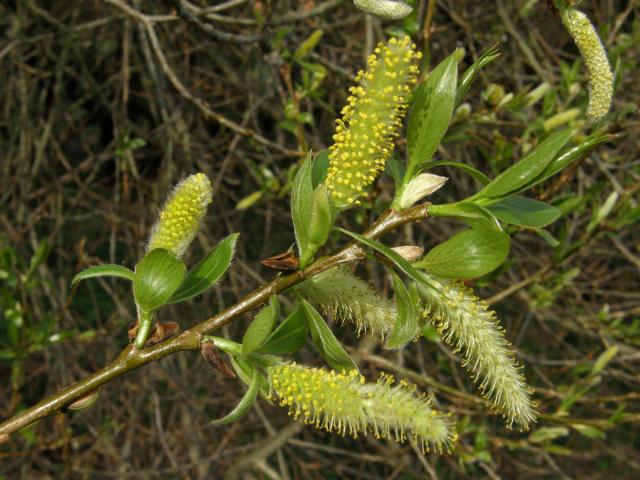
point(131, 358)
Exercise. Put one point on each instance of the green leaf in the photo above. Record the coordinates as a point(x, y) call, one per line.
point(320, 168)
point(469, 254)
point(603, 212)
point(38, 258)
point(290, 336)
point(524, 212)
point(588, 431)
point(105, 270)
point(470, 213)
point(325, 341)
point(208, 271)
point(474, 172)
point(470, 73)
point(520, 176)
point(431, 113)
point(406, 325)
point(309, 44)
point(320, 220)
point(603, 359)
point(261, 326)
point(400, 262)
point(395, 169)
point(546, 235)
point(547, 434)
point(569, 156)
point(157, 277)
point(245, 403)
point(301, 198)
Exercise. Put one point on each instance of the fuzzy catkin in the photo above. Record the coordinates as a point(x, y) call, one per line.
point(363, 139)
point(346, 404)
point(180, 217)
point(466, 323)
point(345, 297)
point(595, 58)
point(390, 9)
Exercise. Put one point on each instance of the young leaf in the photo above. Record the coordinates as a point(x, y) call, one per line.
point(245, 403)
point(247, 370)
point(105, 270)
point(518, 177)
point(524, 212)
point(468, 254)
point(474, 172)
point(207, 272)
point(320, 220)
point(289, 337)
point(569, 156)
point(320, 168)
point(157, 277)
point(470, 73)
point(431, 113)
point(406, 325)
point(400, 262)
point(261, 326)
point(326, 342)
point(470, 213)
point(301, 197)
point(395, 169)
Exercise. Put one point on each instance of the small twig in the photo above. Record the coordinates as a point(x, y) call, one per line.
point(201, 104)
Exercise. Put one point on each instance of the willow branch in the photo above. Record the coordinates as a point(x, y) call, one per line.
point(131, 358)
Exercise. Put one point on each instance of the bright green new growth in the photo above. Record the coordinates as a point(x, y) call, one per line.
point(595, 58)
point(180, 218)
point(344, 403)
point(345, 297)
point(370, 121)
point(465, 322)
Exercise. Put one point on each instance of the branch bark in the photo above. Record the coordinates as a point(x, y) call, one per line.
point(131, 358)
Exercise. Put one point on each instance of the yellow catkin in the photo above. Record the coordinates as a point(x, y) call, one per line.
point(180, 218)
point(347, 298)
point(346, 404)
point(595, 58)
point(466, 323)
point(364, 136)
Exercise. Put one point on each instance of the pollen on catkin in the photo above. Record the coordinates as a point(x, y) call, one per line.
point(364, 136)
point(345, 297)
point(465, 322)
point(595, 58)
point(180, 217)
point(346, 404)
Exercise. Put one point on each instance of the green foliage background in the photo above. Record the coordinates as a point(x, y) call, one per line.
point(95, 129)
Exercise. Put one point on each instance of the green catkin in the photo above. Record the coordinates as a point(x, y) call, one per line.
point(595, 58)
point(363, 140)
point(346, 404)
point(180, 217)
point(345, 297)
point(466, 323)
point(390, 9)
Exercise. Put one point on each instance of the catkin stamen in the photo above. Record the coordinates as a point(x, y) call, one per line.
point(466, 323)
point(346, 404)
point(595, 58)
point(180, 217)
point(347, 298)
point(364, 136)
